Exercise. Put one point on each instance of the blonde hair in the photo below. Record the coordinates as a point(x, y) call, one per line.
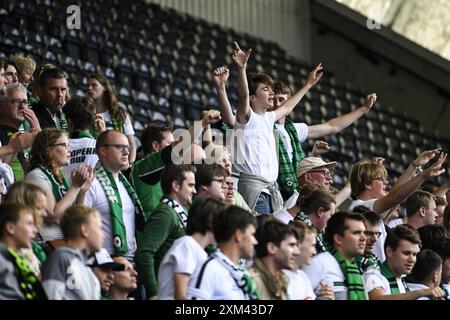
point(74, 217)
point(214, 153)
point(25, 194)
point(364, 172)
point(23, 62)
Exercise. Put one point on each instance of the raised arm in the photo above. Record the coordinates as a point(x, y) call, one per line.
point(338, 124)
point(400, 193)
point(420, 161)
point(290, 104)
point(220, 77)
point(240, 59)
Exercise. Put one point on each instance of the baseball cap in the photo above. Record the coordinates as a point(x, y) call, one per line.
point(310, 163)
point(102, 259)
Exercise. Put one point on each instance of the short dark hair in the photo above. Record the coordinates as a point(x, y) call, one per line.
point(253, 79)
point(369, 216)
point(281, 88)
point(173, 173)
point(273, 231)
point(207, 172)
point(431, 235)
point(427, 262)
point(337, 224)
point(50, 73)
point(81, 112)
point(401, 232)
point(153, 132)
point(201, 215)
point(9, 62)
point(228, 221)
point(10, 212)
point(417, 200)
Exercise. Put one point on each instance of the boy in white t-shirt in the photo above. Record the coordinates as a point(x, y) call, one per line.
point(188, 252)
point(256, 158)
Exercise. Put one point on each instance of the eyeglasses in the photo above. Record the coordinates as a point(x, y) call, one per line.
point(325, 173)
point(120, 147)
point(62, 144)
point(372, 234)
point(18, 102)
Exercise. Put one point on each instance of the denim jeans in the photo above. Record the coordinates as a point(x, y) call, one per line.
point(264, 204)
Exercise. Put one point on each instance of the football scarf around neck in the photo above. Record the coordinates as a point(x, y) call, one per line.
point(28, 283)
point(353, 279)
point(240, 275)
point(321, 245)
point(389, 275)
point(59, 189)
point(287, 179)
point(366, 261)
point(181, 212)
point(108, 183)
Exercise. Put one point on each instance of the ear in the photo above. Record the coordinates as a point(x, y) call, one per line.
point(155, 146)
point(435, 276)
point(271, 248)
point(10, 228)
point(422, 211)
point(337, 239)
point(389, 252)
point(175, 187)
point(238, 235)
point(319, 212)
point(84, 232)
point(252, 97)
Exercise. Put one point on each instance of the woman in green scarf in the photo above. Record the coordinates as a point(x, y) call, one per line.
point(49, 154)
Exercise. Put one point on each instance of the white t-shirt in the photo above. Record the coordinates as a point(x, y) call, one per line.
point(50, 230)
point(283, 216)
point(302, 132)
point(82, 151)
point(183, 257)
point(324, 267)
point(96, 198)
point(300, 287)
point(392, 224)
point(216, 282)
point(374, 279)
point(378, 248)
point(127, 126)
point(256, 150)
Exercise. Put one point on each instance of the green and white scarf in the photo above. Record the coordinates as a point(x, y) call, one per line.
point(108, 183)
point(389, 275)
point(28, 283)
point(287, 178)
point(321, 245)
point(181, 212)
point(366, 261)
point(353, 278)
point(59, 189)
point(116, 125)
point(240, 275)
